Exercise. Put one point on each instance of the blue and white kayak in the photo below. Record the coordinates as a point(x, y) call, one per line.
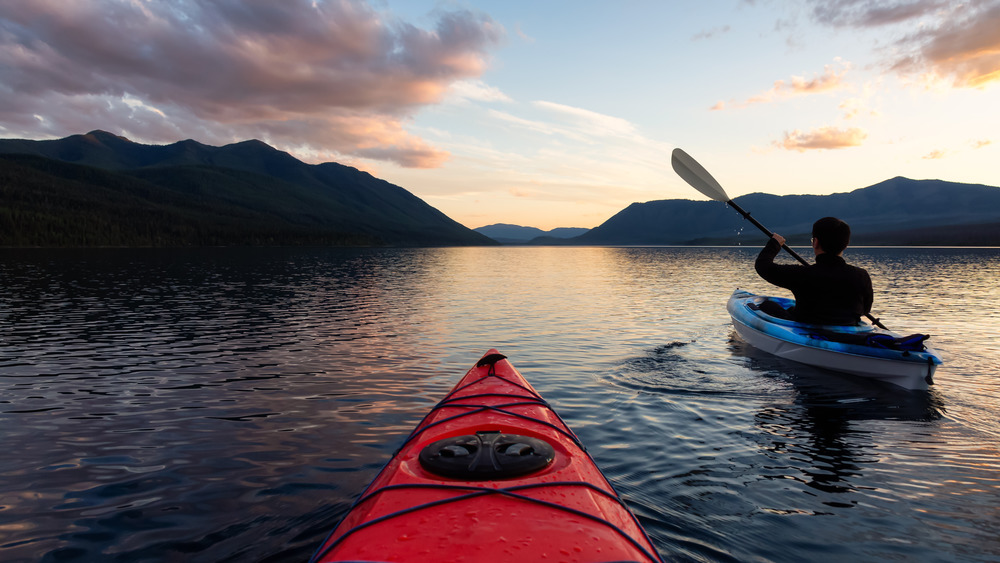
point(861, 349)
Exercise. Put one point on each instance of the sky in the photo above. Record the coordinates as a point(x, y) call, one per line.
point(538, 113)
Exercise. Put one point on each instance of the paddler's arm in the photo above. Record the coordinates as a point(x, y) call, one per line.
point(869, 295)
point(765, 266)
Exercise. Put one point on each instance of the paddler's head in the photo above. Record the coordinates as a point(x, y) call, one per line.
point(830, 236)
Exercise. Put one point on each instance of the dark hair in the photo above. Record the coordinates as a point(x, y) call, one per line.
point(832, 234)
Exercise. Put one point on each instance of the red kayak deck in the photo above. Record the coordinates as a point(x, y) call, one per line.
point(492, 474)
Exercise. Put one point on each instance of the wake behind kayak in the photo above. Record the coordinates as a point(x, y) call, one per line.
point(490, 474)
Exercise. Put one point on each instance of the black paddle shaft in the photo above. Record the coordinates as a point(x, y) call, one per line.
point(766, 231)
point(794, 254)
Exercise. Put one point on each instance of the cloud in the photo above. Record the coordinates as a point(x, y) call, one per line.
point(710, 33)
point(866, 13)
point(953, 39)
point(939, 154)
point(831, 79)
point(590, 121)
point(570, 122)
point(551, 152)
point(523, 123)
point(326, 75)
point(854, 107)
point(821, 138)
point(520, 33)
point(476, 90)
point(966, 49)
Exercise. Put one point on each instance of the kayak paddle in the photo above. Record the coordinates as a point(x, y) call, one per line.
point(699, 178)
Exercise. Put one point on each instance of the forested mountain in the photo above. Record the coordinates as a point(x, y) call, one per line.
point(899, 211)
point(103, 190)
point(99, 189)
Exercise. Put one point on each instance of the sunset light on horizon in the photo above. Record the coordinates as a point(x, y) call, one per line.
point(550, 114)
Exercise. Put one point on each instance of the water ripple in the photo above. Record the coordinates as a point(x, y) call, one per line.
point(228, 404)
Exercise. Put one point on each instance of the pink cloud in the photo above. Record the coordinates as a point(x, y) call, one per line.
point(326, 76)
point(957, 40)
point(822, 138)
point(967, 50)
point(831, 79)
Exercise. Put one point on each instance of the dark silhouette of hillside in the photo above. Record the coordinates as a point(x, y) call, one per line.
point(101, 189)
point(515, 234)
point(899, 211)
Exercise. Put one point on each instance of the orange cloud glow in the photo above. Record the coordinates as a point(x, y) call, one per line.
point(831, 79)
point(822, 138)
point(969, 53)
point(957, 40)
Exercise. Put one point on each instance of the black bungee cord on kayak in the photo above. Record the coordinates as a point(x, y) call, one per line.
point(531, 399)
point(489, 439)
point(472, 491)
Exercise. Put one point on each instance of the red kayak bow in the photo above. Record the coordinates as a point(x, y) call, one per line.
point(492, 474)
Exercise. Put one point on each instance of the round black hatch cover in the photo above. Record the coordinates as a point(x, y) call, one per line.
point(487, 455)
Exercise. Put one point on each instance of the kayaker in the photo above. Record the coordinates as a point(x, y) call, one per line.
point(831, 291)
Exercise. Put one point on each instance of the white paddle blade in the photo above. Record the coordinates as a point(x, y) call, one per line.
point(696, 175)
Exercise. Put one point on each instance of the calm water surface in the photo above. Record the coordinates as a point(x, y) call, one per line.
point(229, 405)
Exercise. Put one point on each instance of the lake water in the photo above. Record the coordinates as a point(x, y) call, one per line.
point(229, 404)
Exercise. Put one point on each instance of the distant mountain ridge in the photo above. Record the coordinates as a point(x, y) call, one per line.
point(101, 189)
point(516, 234)
point(899, 211)
point(92, 189)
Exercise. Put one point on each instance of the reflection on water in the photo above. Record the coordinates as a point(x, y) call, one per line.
point(228, 405)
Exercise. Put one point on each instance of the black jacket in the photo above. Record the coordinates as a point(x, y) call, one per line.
point(831, 291)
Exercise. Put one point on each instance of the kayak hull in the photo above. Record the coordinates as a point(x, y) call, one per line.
point(797, 342)
point(562, 510)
